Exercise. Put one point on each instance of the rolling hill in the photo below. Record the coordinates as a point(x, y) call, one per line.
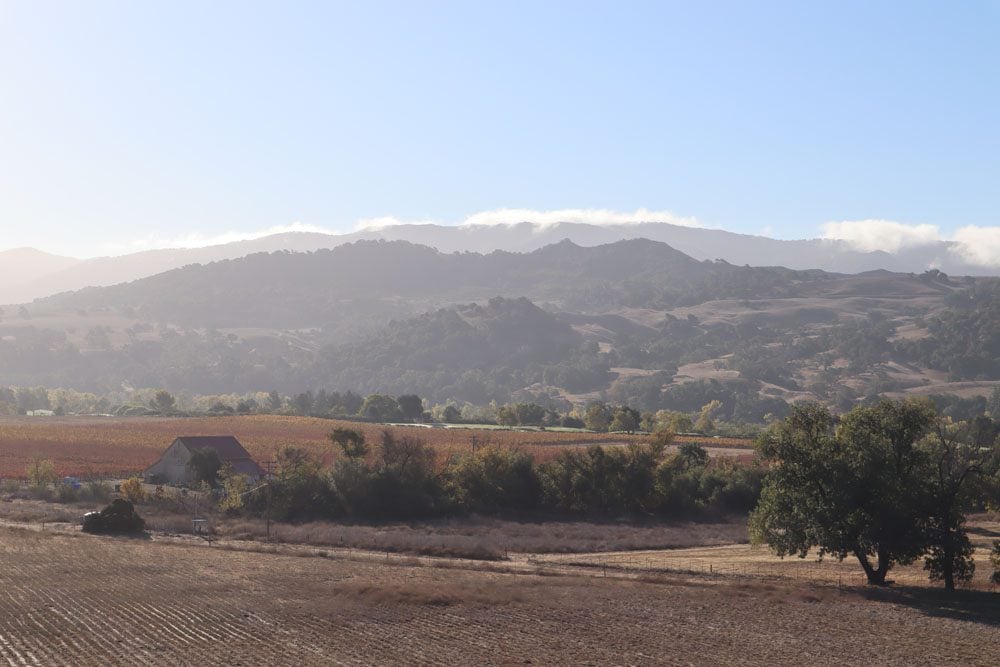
point(634, 321)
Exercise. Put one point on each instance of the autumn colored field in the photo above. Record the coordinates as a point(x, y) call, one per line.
point(116, 446)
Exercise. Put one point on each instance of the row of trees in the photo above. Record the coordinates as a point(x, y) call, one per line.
point(597, 416)
point(885, 484)
point(400, 479)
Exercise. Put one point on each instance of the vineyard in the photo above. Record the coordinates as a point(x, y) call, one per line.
point(116, 446)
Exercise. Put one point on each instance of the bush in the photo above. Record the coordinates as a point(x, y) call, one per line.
point(132, 490)
point(601, 480)
point(67, 494)
point(493, 480)
point(119, 517)
point(234, 490)
point(42, 474)
point(96, 490)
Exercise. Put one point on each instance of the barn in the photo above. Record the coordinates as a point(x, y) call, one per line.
point(172, 467)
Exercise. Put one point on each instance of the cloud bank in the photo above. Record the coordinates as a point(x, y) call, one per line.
point(196, 240)
point(975, 245)
point(590, 216)
point(514, 216)
point(886, 235)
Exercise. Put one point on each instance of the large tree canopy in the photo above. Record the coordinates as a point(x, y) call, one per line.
point(846, 489)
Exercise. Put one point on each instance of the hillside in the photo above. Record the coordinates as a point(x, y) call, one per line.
point(23, 282)
point(634, 321)
point(21, 267)
point(369, 279)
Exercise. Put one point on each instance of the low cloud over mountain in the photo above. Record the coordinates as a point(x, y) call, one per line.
point(844, 247)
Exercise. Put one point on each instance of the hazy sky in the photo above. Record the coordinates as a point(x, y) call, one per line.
point(130, 124)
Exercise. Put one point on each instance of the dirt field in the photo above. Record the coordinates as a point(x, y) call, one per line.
point(81, 600)
point(115, 446)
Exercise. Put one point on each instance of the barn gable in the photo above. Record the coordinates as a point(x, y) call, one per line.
point(172, 464)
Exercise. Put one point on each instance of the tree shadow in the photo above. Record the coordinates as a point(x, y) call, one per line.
point(972, 606)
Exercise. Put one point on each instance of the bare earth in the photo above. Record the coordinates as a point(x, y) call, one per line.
point(82, 600)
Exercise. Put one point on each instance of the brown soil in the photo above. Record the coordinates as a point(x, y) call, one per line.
point(81, 600)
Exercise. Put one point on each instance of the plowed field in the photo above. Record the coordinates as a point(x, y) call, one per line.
point(81, 600)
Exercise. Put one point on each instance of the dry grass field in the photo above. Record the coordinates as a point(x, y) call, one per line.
point(751, 561)
point(72, 599)
point(113, 446)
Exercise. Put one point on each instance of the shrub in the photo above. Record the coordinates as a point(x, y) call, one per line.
point(132, 490)
point(96, 490)
point(41, 474)
point(118, 517)
point(602, 480)
point(67, 494)
point(234, 488)
point(493, 480)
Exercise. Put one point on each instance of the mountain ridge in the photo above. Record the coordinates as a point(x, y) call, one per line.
point(698, 242)
point(636, 321)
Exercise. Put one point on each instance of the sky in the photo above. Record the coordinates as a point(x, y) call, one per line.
point(128, 125)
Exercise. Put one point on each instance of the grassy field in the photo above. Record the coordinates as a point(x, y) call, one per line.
point(750, 561)
point(81, 600)
point(114, 446)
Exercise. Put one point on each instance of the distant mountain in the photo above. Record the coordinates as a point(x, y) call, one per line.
point(36, 278)
point(22, 266)
point(633, 321)
point(836, 256)
point(375, 281)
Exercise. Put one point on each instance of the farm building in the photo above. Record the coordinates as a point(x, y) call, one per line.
point(172, 467)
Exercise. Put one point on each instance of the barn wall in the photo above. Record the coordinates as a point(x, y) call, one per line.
point(172, 465)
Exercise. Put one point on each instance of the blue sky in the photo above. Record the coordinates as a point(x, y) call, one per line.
point(130, 124)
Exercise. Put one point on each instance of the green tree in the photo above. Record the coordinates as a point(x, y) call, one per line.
point(847, 491)
point(234, 489)
point(705, 422)
point(451, 414)
point(204, 466)
point(163, 402)
point(507, 416)
point(625, 419)
point(300, 490)
point(493, 479)
point(993, 406)
point(680, 423)
point(954, 464)
point(995, 562)
point(381, 408)
point(411, 406)
point(597, 417)
point(41, 473)
point(529, 414)
point(691, 455)
point(351, 442)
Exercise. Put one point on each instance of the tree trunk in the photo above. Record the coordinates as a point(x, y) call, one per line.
point(883, 568)
point(948, 566)
point(876, 576)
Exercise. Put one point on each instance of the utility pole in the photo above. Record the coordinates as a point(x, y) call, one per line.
point(268, 510)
